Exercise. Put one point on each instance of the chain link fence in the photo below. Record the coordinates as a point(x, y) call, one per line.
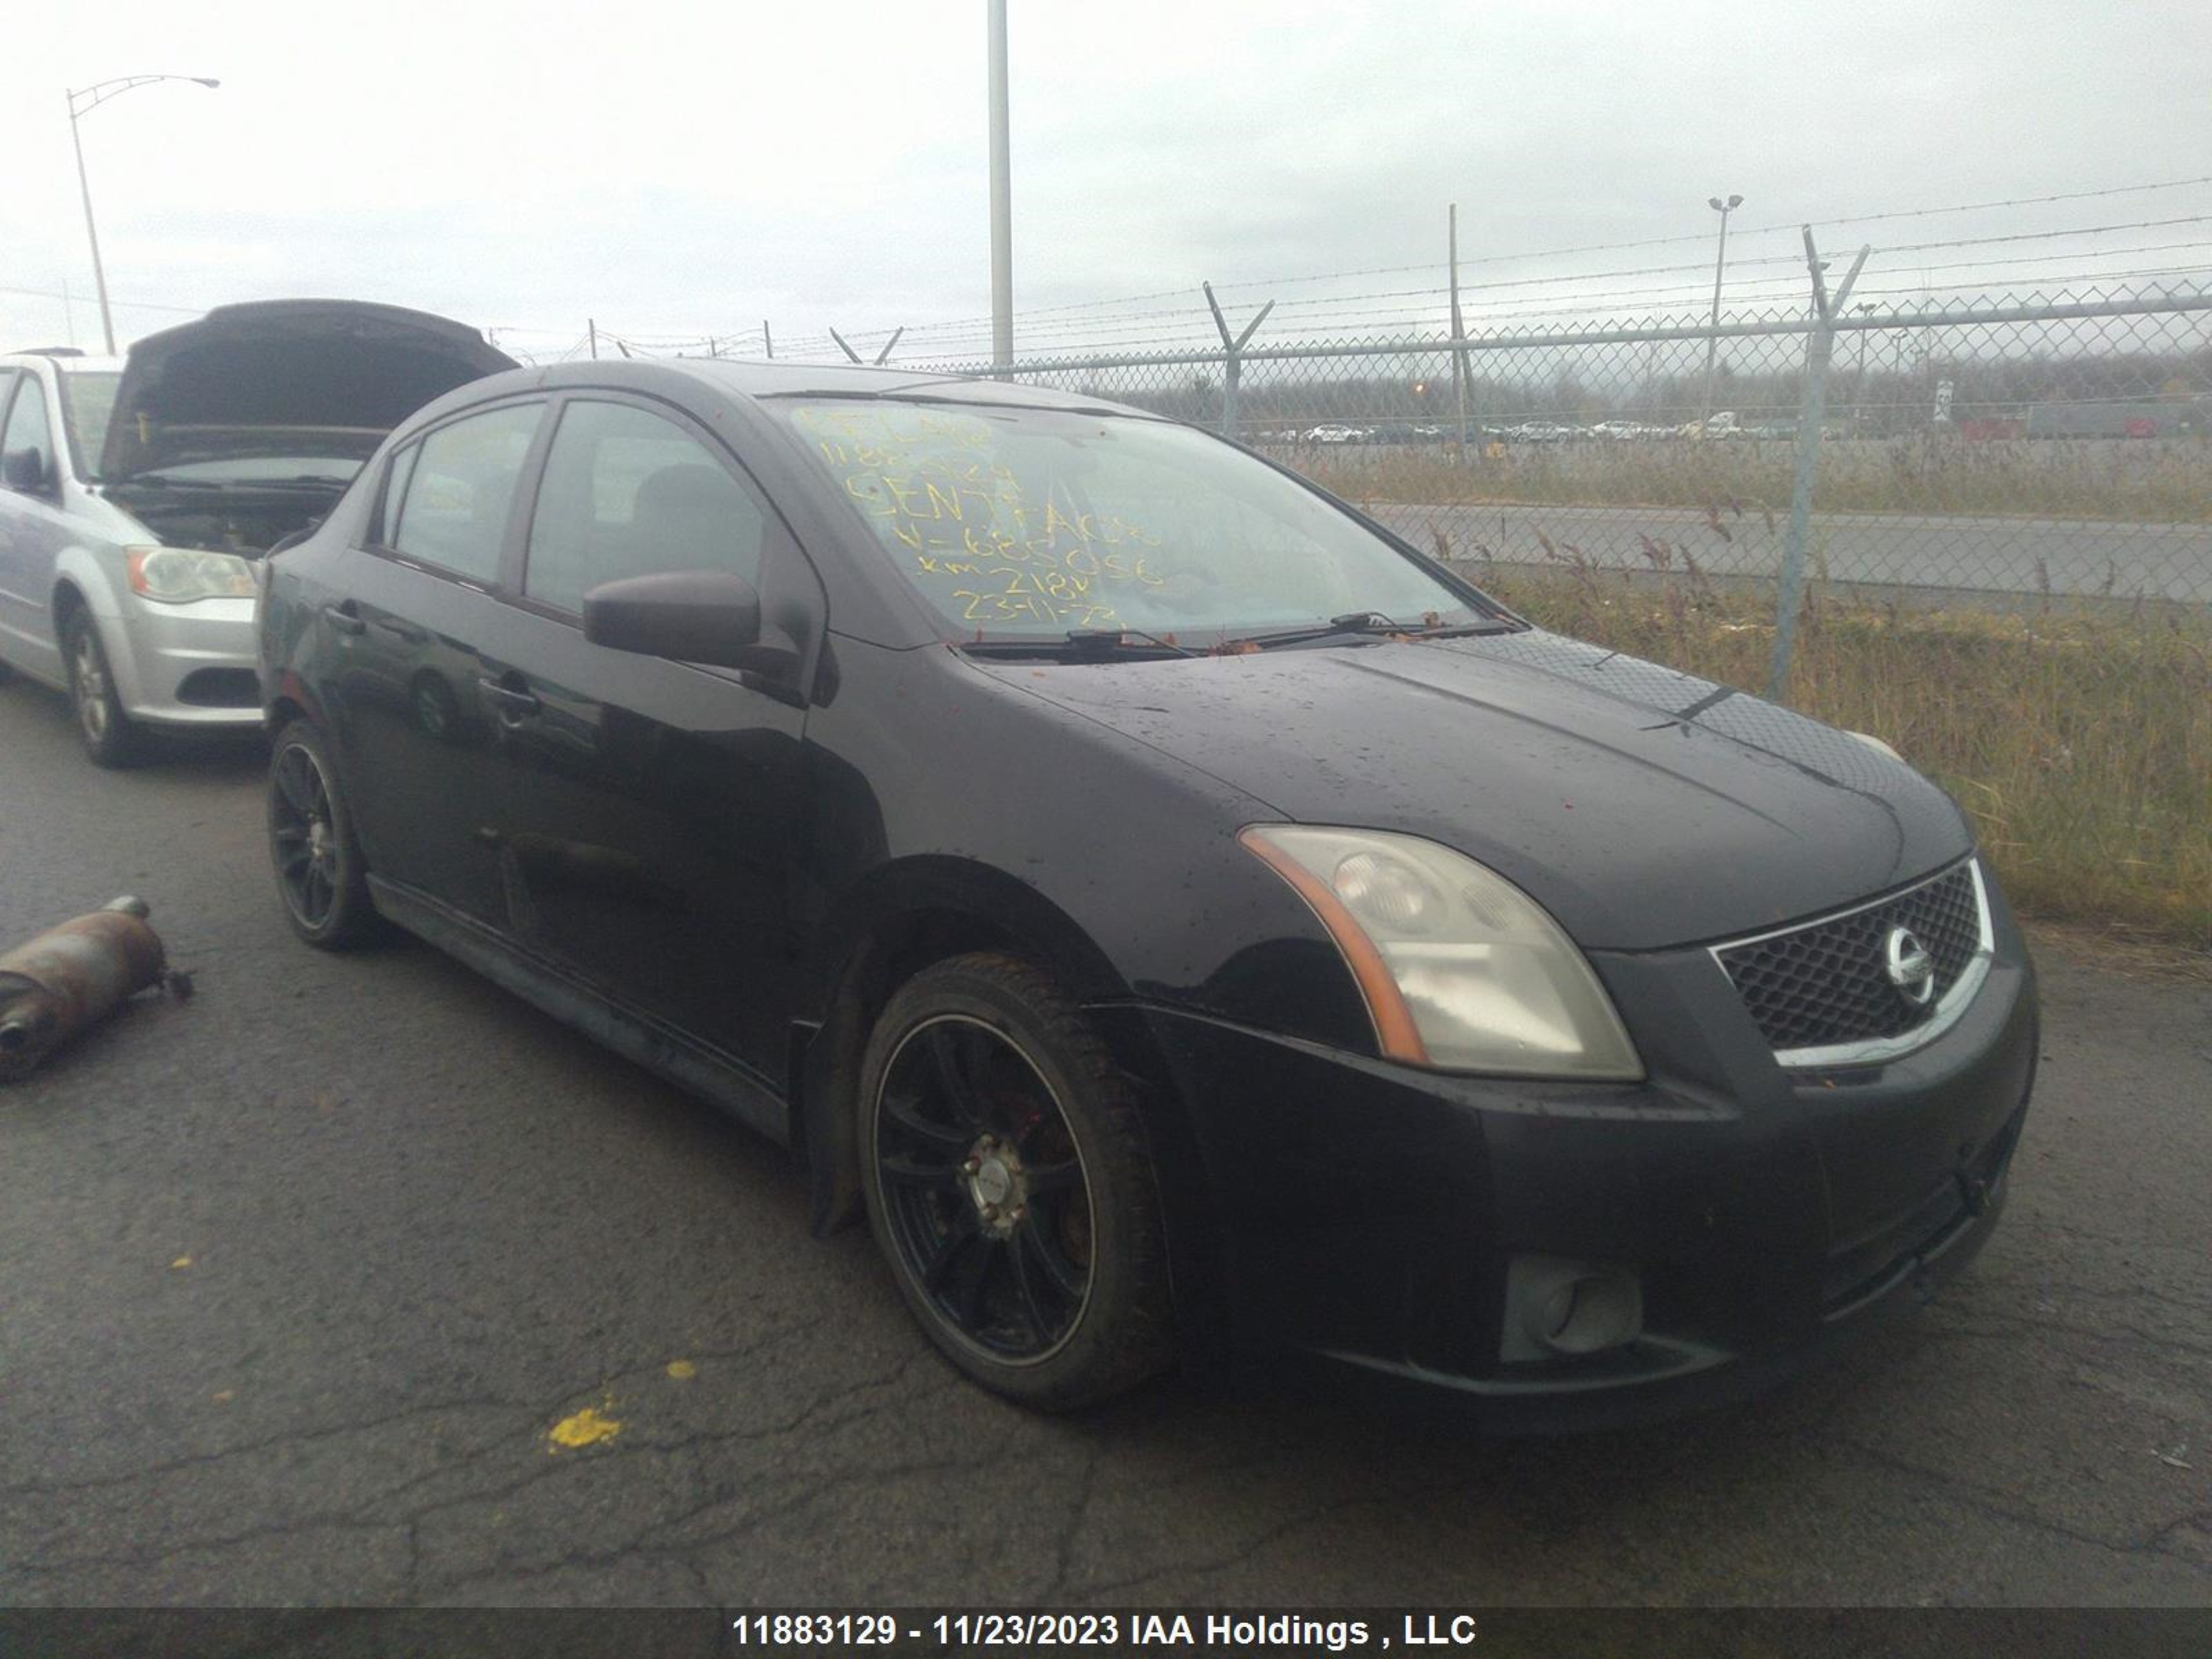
point(1994, 452)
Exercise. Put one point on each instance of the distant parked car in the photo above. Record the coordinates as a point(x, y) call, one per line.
point(1337, 434)
point(139, 494)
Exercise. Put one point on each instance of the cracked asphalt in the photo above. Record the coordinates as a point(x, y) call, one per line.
point(298, 1276)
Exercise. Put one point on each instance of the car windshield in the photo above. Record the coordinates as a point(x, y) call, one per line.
point(87, 404)
point(1030, 523)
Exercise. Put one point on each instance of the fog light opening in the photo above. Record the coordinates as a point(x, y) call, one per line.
point(1564, 1308)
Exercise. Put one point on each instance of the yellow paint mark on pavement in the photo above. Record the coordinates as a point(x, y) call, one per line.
point(682, 1370)
point(585, 1428)
point(182, 1261)
point(224, 1396)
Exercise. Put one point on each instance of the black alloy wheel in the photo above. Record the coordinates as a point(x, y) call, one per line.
point(984, 1188)
point(1008, 1181)
point(319, 869)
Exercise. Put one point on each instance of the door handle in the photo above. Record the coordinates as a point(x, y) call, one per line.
point(342, 617)
point(512, 706)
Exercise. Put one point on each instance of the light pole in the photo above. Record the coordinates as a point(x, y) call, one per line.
point(81, 103)
point(1720, 260)
point(1002, 211)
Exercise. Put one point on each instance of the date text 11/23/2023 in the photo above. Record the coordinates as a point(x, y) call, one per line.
point(1023, 1631)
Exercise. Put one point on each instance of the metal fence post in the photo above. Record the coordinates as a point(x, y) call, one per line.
point(1232, 363)
point(1819, 346)
point(1459, 364)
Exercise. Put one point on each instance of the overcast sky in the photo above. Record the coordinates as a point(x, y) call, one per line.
point(674, 170)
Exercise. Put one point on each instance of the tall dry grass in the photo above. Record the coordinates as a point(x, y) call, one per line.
point(2165, 480)
point(2081, 746)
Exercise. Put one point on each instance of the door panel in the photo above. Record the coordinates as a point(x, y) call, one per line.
point(404, 655)
point(405, 633)
point(651, 806)
point(639, 822)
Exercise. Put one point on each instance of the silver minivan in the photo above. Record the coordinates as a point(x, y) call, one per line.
point(137, 495)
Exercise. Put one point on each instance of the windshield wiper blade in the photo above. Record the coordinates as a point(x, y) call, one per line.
point(1082, 645)
point(1363, 624)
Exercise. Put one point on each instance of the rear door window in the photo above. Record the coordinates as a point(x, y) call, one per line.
point(454, 511)
point(628, 493)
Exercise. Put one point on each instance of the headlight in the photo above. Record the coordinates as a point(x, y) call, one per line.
point(178, 575)
point(1461, 970)
point(1874, 743)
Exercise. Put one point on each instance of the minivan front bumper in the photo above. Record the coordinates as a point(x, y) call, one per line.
point(188, 664)
point(1369, 1217)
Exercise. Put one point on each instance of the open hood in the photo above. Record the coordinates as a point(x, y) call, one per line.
point(277, 378)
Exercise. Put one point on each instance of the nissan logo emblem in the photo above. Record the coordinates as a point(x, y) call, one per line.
point(1910, 967)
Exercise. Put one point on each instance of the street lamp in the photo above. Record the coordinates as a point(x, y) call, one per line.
point(1720, 259)
point(81, 103)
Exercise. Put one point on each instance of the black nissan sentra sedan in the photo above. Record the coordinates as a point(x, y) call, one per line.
point(1190, 922)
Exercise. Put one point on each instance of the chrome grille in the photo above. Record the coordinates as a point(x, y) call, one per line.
point(1824, 986)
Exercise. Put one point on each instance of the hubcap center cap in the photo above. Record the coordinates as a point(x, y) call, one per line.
point(994, 1180)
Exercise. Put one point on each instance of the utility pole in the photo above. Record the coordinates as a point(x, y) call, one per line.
point(1002, 208)
point(593, 328)
point(1720, 261)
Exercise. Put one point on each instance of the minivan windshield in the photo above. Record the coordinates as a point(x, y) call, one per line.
point(87, 404)
point(1018, 523)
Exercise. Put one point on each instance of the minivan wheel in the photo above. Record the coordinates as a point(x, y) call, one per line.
point(1009, 1184)
point(319, 873)
point(109, 736)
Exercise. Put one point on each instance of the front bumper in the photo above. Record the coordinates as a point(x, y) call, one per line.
point(1364, 1215)
point(187, 665)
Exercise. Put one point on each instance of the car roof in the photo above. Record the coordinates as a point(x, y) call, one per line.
point(76, 363)
point(752, 379)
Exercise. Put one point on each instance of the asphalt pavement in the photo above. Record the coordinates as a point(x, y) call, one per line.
point(1956, 554)
point(356, 1280)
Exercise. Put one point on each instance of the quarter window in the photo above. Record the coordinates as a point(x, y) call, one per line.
point(627, 493)
point(454, 511)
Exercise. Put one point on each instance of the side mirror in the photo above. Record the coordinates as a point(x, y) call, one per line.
point(26, 470)
point(687, 616)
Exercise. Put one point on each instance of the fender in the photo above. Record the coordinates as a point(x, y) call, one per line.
point(96, 575)
point(898, 915)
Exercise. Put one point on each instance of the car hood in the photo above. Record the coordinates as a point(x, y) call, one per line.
point(1644, 807)
point(285, 377)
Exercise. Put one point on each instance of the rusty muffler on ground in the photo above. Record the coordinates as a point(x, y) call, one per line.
point(71, 975)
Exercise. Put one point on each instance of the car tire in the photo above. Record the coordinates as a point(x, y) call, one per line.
point(321, 878)
point(110, 737)
point(1009, 1184)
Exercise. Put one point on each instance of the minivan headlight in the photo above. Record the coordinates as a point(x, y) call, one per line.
point(1461, 970)
point(178, 575)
